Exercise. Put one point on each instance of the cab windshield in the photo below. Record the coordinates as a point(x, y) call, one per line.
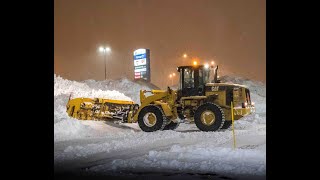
point(205, 75)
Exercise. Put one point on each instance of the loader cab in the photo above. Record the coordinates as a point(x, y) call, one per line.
point(193, 80)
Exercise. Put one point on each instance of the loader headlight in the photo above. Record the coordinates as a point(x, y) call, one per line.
point(244, 105)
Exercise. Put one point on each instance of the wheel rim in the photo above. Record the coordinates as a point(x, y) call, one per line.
point(208, 118)
point(150, 119)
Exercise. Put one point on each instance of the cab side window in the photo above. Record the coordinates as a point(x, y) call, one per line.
point(201, 77)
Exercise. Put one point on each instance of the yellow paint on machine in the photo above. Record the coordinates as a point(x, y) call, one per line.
point(97, 108)
point(232, 119)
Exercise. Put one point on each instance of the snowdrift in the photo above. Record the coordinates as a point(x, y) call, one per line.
point(129, 88)
point(66, 128)
point(78, 89)
point(255, 87)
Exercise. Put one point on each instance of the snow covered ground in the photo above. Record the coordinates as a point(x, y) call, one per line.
point(98, 147)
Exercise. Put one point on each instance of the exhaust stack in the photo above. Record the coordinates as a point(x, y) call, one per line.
point(215, 80)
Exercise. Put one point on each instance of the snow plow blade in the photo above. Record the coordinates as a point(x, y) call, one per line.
point(101, 109)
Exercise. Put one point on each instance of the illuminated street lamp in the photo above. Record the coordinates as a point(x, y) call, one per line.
point(184, 58)
point(212, 62)
point(195, 63)
point(105, 50)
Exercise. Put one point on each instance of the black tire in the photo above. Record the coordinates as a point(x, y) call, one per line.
point(171, 126)
point(218, 113)
point(226, 124)
point(160, 118)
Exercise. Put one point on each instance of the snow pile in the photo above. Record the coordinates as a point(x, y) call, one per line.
point(62, 86)
point(127, 87)
point(255, 87)
point(260, 103)
point(66, 128)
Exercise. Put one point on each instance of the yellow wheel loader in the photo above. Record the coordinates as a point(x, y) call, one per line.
point(200, 98)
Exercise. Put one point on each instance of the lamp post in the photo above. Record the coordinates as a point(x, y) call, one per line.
point(105, 50)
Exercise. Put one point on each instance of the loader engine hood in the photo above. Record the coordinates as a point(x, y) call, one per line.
point(237, 93)
point(210, 85)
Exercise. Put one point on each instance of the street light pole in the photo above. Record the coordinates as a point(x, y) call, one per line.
point(105, 65)
point(105, 50)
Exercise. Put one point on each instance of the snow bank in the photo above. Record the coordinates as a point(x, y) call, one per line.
point(66, 128)
point(63, 86)
point(125, 86)
point(255, 87)
point(260, 103)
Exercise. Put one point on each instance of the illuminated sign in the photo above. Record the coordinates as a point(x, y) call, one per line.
point(141, 62)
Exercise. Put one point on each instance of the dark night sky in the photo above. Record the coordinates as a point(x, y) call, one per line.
point(232, 32)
